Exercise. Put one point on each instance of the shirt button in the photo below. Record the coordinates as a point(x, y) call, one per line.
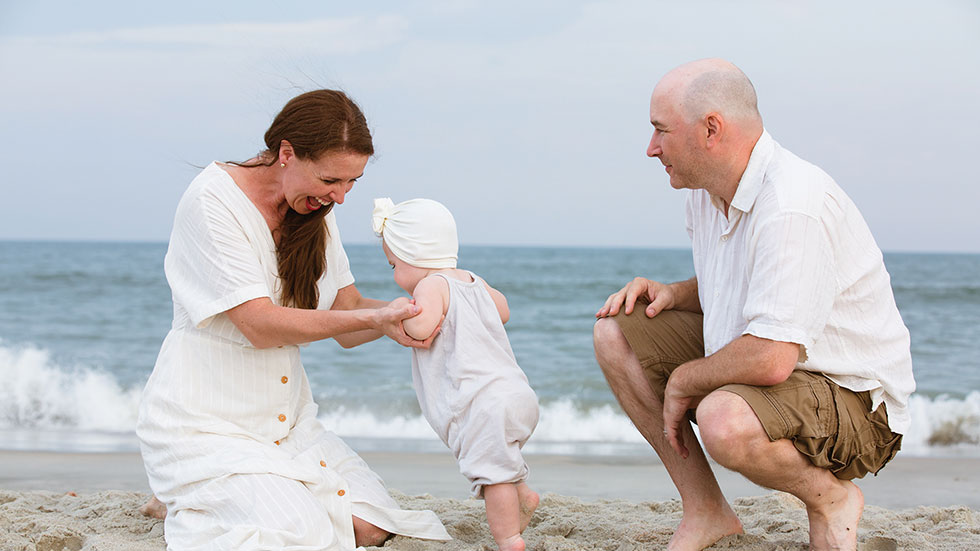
point(282, 418)
point(277, 442)
point(285, 379)
point(323, 463)
point(724, 238)
point(341, 493)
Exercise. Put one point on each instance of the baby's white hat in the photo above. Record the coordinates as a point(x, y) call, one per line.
point(421, 232)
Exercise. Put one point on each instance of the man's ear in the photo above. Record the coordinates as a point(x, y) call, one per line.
point(713, 125)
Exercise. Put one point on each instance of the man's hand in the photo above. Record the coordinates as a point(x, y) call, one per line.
point(661, 298)
point(676, 404)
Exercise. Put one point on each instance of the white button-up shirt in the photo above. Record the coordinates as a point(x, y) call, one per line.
point(794, 261)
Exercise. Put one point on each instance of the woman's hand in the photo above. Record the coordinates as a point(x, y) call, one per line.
point(389, 320)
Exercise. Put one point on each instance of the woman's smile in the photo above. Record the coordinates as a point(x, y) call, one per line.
point(314, 203)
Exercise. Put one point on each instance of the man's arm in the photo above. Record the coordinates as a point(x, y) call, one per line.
point(686, 295)
point(746, 360)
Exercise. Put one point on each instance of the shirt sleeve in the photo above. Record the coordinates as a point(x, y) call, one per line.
point(211, 265)
point(792, 284)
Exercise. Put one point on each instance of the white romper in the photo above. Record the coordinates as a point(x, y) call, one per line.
point(228, 432)
point(472, 391)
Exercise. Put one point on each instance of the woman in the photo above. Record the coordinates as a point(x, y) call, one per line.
point(227, 424)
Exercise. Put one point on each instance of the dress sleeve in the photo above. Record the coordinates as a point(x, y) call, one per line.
point(211, 264)
point(792, 284)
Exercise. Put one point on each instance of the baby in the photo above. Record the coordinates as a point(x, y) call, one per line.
point(469, 385)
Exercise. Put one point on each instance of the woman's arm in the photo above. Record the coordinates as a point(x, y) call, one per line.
point(349, 298)
point(266, 324)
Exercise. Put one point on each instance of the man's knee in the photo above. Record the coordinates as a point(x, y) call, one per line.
point(609, 342)
point(606, 333)
point(729, 428)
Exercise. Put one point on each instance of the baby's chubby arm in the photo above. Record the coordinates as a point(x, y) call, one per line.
point(432, 295)
point(500, 301)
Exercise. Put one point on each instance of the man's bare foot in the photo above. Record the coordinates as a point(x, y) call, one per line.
point(834, 524)
point(699, 530)
point(513, 543)
point(154, 509)
point(528, 500)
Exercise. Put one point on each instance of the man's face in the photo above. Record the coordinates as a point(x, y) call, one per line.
point(675, 143)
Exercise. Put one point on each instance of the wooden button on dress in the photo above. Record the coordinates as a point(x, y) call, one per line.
point(285, 379)
point(282, 418)
point(323, 463)
point(341, 493)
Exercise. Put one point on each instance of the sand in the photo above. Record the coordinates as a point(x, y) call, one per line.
point(925, 504)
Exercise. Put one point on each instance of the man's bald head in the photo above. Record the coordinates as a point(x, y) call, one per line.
point(706, 124)
point(711, 85)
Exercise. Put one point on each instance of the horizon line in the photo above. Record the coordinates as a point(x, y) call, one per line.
point(92, 241)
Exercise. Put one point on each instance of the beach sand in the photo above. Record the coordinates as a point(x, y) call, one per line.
point(588, 503)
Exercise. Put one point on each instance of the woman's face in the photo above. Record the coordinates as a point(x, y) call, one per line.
point(309, 185)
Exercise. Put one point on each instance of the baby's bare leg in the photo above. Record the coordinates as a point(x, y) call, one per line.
point(528, 500)
point(503, 515)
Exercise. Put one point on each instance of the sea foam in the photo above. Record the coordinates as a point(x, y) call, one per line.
point(38, 394)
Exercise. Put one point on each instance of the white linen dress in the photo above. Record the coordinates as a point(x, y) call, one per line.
point(471, 390)
point(228, 432)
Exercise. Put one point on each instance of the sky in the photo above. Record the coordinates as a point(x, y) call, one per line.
point(529, 120)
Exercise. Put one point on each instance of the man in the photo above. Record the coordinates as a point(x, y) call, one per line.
point(786, 347)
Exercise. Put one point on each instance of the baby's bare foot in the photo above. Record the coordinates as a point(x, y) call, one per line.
point(154, 509)
point(513, 543)
point(529, 500)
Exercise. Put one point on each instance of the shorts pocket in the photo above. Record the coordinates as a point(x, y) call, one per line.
point(865, 442)
point(806, 406)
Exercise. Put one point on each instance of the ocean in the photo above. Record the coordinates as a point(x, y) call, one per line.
point(81, 324)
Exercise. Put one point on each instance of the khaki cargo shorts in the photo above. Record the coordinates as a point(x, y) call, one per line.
point(833, 426)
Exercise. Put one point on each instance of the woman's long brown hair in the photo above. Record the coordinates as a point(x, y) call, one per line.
point(314, 123)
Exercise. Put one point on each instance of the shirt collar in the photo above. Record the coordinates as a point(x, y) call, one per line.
point(755, 171)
